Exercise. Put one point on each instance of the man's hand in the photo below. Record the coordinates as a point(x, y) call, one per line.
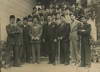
point(33, 37)
point(55, 40)
point(83, 30)
point(37, 38)
point(43, 40)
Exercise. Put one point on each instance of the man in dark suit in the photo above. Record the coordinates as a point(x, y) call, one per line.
point(13, 41)
point(63, 30)
point(26, 40)
point(20, 47)
point(50, 38)
point(84, 32)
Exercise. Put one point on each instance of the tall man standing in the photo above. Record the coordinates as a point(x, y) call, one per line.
point(51, 39)
point(36, 32)
point(74, 49)
point(26, 40)
point(13, 41)
point(63, 37)
point(84, 32)
point(20, 48)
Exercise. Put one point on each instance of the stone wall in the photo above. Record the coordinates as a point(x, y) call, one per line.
point(19, 8)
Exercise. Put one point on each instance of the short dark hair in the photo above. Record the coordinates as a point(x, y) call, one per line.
point(34, 8)
point(30, 18)
point(18, 19)
point(12, 16)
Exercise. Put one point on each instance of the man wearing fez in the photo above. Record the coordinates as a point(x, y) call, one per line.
point(13, 41)
point(26, 40)
point(36, 32)
point(84, 32)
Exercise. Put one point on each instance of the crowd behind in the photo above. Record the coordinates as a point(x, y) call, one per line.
point(61, 32)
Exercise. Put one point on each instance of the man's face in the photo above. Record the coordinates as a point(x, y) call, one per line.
point(12, 20)
point(51, 6)
point(47, 10)
point(60, 10)
point(72, 17)
point(19, 22)
point(49, 18)
point(67, 11)
point(53, 16)
point(42, 18)
point(57, 6)
point(25, 22)
point(84, 20)
point(35, 20)
point(58, 21)
point(65, 6)
point(30, 22)
point(43, 7)
point(58, 16)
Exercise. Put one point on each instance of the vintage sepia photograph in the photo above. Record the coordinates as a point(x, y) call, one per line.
point(49, 35)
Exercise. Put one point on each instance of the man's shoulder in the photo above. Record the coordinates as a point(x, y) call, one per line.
point(77, 21)
point(89, 25)
point(28, 25)
point(8, 25)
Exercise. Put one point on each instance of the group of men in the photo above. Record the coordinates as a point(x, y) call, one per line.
point(61, 32)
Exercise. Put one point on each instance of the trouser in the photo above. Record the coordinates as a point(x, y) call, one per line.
point(26, 52)
point(16, 54)
point(44, 49)
point(21, 55)
point(13, 56)
point(74, 51)
point(85, 52)
point(36, 51)
point(64, 52)
point(52, 51)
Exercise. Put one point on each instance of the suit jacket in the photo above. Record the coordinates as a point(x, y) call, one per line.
point(13, 32)
point(63, 31)
point(44, 32)
point(36, 30)
point(74, 29)
point(86, 33)
point(51, 31)
point(26, 33)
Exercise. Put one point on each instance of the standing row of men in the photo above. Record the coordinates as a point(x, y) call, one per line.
point(65, 38)
point(62, 40)
point(23, 41)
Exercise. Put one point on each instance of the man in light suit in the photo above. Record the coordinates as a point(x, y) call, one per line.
point(74, 49)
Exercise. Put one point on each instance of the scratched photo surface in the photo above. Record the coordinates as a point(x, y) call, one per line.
point(49, 35)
